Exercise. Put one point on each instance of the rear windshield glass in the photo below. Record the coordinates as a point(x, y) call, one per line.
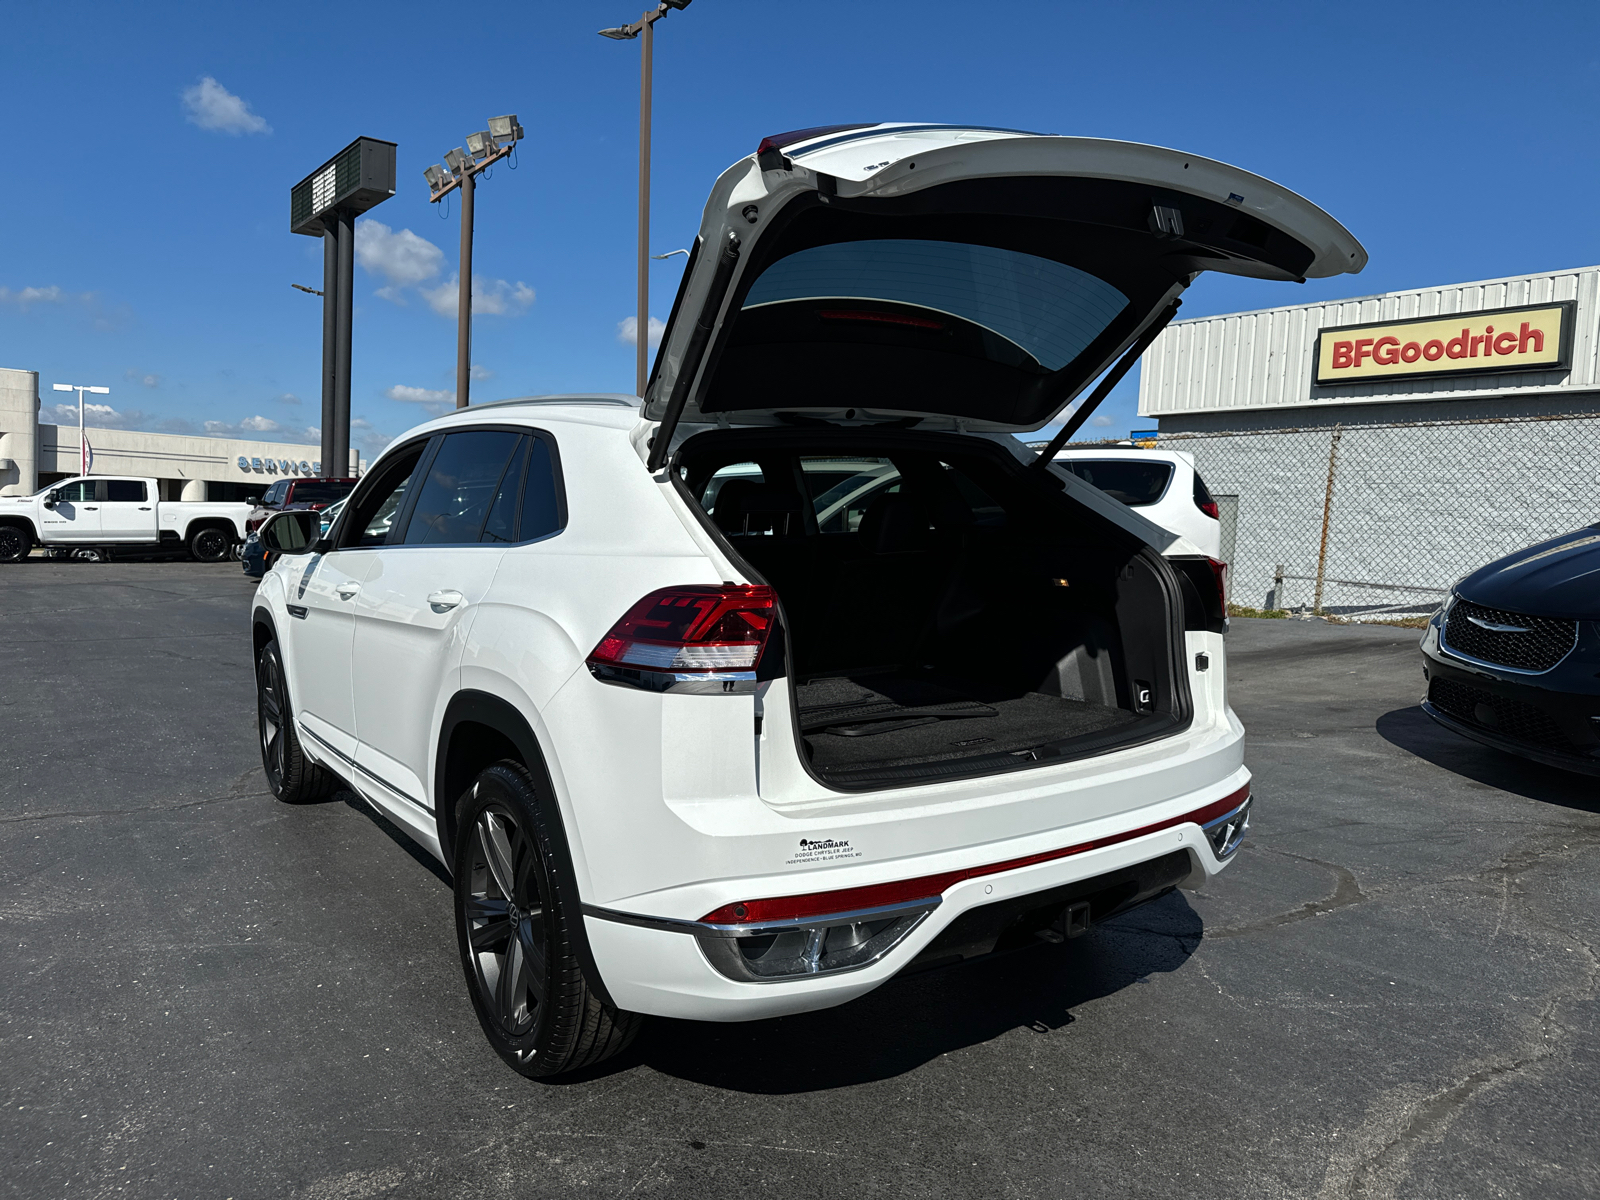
point(307, 492)
point(1048, 310)
point(1133, 482)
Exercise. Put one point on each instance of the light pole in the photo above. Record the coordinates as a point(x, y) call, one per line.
point(460, 173)
point(645, 25)
point(84, 458)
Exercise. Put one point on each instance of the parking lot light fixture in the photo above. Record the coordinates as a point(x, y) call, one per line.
point(461, 169)
point(84, 457)
point(645, 25)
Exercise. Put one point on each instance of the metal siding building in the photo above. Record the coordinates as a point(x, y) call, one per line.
point(1380, 492)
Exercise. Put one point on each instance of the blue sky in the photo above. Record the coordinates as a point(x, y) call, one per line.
point(150, 248)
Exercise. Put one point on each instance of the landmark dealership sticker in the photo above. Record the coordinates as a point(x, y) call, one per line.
point(817, 850)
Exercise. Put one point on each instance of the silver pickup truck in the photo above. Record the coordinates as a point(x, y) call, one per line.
point(99, 512)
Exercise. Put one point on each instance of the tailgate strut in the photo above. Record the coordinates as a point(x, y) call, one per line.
point(1109, 381)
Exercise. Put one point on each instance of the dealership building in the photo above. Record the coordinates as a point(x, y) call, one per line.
point(1369, 452)
point(187, 467)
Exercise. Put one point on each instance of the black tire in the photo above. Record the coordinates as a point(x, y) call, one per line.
point(293, 777)
point(210, 545)
point(513, 913)
point(15, 543)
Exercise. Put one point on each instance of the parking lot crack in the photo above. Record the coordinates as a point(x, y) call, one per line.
point(1346, 892)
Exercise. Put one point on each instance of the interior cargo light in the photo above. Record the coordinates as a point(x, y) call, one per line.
point(907, 891)
point(694, 634)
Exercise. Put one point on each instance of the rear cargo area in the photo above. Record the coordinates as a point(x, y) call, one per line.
point(948, 613)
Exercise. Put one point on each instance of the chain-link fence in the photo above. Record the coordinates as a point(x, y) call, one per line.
point(1376, 517)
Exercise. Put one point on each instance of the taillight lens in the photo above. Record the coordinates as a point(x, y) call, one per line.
point(1219, 571)
point(694, 628)
point(1209, 507)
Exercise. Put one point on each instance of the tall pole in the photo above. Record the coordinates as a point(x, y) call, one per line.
point(83, 454)
point(642, 328)
point(464, 298)
point(340, 450)
point(330, 307)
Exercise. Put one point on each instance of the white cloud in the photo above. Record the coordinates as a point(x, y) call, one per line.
point(367, 439)
point(212, 106)
point(93, 414)
point(27, 297)
point(137, 376)
point(289, 398)
point(628, 331)
point(403, 258)
point(436, 401)
point(479, 371)
point(259, 428)
point(494, 297)
point(1102, 421)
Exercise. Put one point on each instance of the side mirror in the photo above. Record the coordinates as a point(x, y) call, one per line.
point(294, 532)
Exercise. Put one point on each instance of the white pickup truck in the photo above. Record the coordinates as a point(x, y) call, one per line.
point(99, 512)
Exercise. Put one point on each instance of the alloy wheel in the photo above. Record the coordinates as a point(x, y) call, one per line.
point(210, 545)
point(271, 719)
point(13, 544)
point(506, 922)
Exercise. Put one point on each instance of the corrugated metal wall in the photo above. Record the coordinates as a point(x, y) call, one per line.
point(1262, 360)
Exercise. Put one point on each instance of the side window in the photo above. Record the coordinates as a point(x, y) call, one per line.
point(541, 495)
point(462, 482)
point(125, 490)
point(275, 493)
point(374, 509)
point(77, 492)
point(842, 489)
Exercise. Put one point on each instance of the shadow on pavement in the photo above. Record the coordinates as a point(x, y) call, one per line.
point(1412, 730)
point(910, 1021)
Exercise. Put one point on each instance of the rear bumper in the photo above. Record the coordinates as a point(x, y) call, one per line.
point(666, 967)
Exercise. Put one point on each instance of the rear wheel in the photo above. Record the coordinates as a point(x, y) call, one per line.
point(209, 545)
point(293, 777)
point(513, 916)
point(14, 544)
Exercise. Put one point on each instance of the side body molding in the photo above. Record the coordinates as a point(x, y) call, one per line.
point(481, 708)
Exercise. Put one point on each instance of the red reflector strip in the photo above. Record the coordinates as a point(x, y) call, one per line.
point(900, 891)
point(883, 318)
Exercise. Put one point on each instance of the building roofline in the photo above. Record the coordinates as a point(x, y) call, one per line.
point(1411, 291)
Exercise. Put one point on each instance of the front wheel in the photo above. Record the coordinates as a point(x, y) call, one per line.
point(292, 776)
point(513, 916)
point(14, 544)
point(209, 545)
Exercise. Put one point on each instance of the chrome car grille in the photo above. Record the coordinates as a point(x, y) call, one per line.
point(1530, 645)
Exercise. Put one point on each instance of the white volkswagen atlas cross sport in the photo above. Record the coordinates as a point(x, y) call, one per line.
point(805, 672)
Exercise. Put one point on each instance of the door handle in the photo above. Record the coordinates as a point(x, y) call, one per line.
point(347, 589)
point(446, 600)
point(91, 508)
point(144, 508)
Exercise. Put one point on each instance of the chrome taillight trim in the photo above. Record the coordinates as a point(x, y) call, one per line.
point(686, 683)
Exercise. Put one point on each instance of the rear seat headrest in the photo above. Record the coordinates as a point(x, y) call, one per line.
point(748, 506)
point(895, 523)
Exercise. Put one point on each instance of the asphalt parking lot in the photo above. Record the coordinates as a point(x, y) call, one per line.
point(209, 994)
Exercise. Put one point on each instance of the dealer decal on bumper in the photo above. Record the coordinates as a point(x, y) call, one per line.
point(817, 850)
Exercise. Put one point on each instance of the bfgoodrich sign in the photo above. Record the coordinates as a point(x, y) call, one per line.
point(1533, 338)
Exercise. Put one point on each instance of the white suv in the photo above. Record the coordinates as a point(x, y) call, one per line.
point(807, 672)
point(1162, 484)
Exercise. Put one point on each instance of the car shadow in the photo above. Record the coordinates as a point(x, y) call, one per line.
point(1413, 731)
point(911, 1020)
point(396, 835)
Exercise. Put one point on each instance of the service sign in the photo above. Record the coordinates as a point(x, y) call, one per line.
point(1534, 338)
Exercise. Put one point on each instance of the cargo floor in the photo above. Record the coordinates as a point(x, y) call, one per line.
point(869, 723)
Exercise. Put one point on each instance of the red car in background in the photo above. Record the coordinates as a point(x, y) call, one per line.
point(298, 493)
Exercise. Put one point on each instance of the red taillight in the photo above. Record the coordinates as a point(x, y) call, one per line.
point(1209, 507)
point(901, 891)
point(692, 628)
point(1219, 571)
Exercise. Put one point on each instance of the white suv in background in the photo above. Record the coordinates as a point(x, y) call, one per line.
point(1162, 484)
point(805, 672)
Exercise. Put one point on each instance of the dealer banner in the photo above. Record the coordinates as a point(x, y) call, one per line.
point(1533, 338)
